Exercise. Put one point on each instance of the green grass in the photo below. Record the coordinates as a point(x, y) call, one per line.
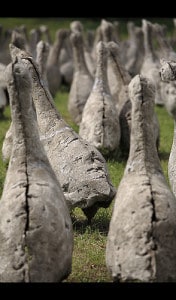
point(89, 250)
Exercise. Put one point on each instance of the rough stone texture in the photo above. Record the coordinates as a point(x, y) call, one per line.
point(77, 26)
point(98, 37)
point(79, 167)
point(82, 79)
point(18, 39)
point(150, 67)
point(66, 60)
point(172, 161)
point(142, 235)
point(121, 76)
point(107, 31)
point(66, 52)
point(122, 99)
point(66, 70)
point(34, 38)
point(168, 76)
point(53, 70)
point(36, 236)
point(120, 94)
point(100, 121)
point(46, 34)
point(165, 48)
point(42, 52)
point(108, 36)
point(169, 92)
point(168, 88)
point(7, 144)
point(135, 51)
point(168, 70)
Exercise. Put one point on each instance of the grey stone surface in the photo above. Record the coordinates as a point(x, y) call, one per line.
point(79, 167)
point(42, 52)
point(36, 235)
point(77, 26)
point(172, 162)
point(168, 76)
point(151, 65)
point(135, 50)
point(121, 76)
point(34, 37)
point(167, 70)
point(100, 120)
point(169, 92)
point(142, 234)
point(82, 79)
point(7, 144)
point(165, 47)
point(122, 99)
point(66, 60)
point(120, 93)
point(53, 70)
point(167, 55)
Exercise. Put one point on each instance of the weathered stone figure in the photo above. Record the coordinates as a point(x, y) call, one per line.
point(122, 77)
point(36, 237)
point(77, 26)
point(168, 70)
point(34, 37)
point(120, 94)
point(168, 74)
point(141, 240)
point(79, 167)
point(53, 69)
point(66, 60)
point(166, 51)
point(100, 121)
point(42, 51)
point(135, 51)
point(122, 99)
point(172, 161)
point(165, 47)
point(150, 66)
point(82, 79)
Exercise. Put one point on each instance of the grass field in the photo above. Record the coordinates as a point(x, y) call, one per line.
point(89, 241)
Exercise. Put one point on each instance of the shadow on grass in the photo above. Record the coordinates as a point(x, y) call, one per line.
point(98, 223)
point(164, 155)
point(118, 156)
point(4, 118)
point(123, 157)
